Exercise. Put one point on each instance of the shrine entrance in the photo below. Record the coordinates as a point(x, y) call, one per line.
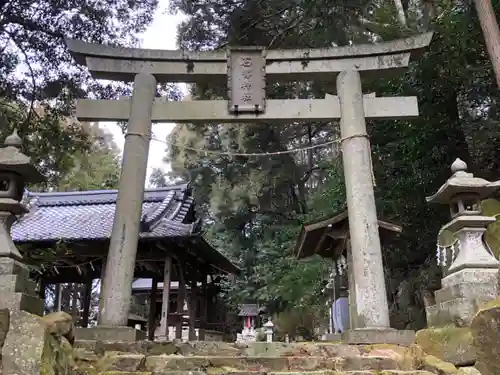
point(247, 70)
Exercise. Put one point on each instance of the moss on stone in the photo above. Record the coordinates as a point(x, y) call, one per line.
point(48, 363)
point(431, 363)
point(450, 344)
point(124, 373)
point(491, 304)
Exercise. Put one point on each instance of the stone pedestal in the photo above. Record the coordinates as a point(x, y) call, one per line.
point(17, 290)
point(246, 336)
point(461, 296)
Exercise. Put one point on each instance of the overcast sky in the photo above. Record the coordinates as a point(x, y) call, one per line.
point(162, 34)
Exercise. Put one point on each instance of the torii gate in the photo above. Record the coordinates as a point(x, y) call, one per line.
point(246, 70)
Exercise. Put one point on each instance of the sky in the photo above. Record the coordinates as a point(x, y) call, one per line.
point(161, 34)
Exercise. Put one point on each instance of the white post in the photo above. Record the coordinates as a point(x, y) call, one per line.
point(371, 296)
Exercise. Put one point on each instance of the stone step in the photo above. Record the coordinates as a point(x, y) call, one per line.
point(225, 365)
point(215, 348)
point(369, 372)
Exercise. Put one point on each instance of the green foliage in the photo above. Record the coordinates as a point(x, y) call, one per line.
point(300, 321)
point(32, 43)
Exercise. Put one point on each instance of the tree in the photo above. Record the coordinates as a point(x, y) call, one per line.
point(32, 38)
point(97, 168)
point(491, 33)
point(158, 178)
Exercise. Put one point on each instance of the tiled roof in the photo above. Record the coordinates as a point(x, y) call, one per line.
point(249, 310)
point(88, 215)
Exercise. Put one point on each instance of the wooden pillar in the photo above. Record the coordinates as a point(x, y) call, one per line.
point(58, 297)
point(74, 289)
point(192, 302)
point(204, 308)
point(152, 310)
point(167, 273)
point(180, 300)
point(103, 276)
point(41, 289)
point(87, 296)
point(66, 298)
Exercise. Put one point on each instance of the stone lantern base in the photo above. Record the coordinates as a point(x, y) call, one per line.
point(462, 295)
point(17, 290)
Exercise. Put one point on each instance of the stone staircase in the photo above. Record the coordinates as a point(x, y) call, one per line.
point(217, 358)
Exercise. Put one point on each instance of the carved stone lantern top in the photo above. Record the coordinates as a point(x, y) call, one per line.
point(14, 161)
point(462, 184)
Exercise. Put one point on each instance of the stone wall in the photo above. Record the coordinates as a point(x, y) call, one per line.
point(32, 345)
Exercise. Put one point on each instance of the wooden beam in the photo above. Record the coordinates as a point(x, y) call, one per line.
point(285, 110)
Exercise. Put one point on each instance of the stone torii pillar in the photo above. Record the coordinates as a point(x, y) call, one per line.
point(120, 263)
point(246, 70)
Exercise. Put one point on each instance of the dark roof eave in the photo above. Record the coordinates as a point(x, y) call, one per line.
point(336, 220)
point(223, 263)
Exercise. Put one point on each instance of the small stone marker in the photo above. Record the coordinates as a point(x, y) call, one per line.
point(269, 327)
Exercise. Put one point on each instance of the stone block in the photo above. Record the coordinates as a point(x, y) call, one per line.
point(461, 311)
point(60, 324)
point(466, 290)
point(9, 266)
point(24, 302)
point(4, 325)
point(16, 284)
point(435, 317)
point(105, 333)
point(123, 362)
point(26, 346)
point(332, 337)
point(375, 336)
point(486, 336)
point(450, 344)
point(471, 275)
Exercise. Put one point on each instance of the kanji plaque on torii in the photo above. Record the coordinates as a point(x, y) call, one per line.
point(246, 80)
point(246, 71)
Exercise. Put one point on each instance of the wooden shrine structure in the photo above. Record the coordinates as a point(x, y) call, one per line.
point(67, 235)
point(330, 239)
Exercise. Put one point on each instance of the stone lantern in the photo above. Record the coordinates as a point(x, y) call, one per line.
point(471, 278)
point(17, 291)
point(269, 329)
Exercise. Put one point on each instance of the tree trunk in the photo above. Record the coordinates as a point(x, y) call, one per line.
point(401, 13)
point(491, 33)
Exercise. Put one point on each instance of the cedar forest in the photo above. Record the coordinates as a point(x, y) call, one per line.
point(253, 207)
